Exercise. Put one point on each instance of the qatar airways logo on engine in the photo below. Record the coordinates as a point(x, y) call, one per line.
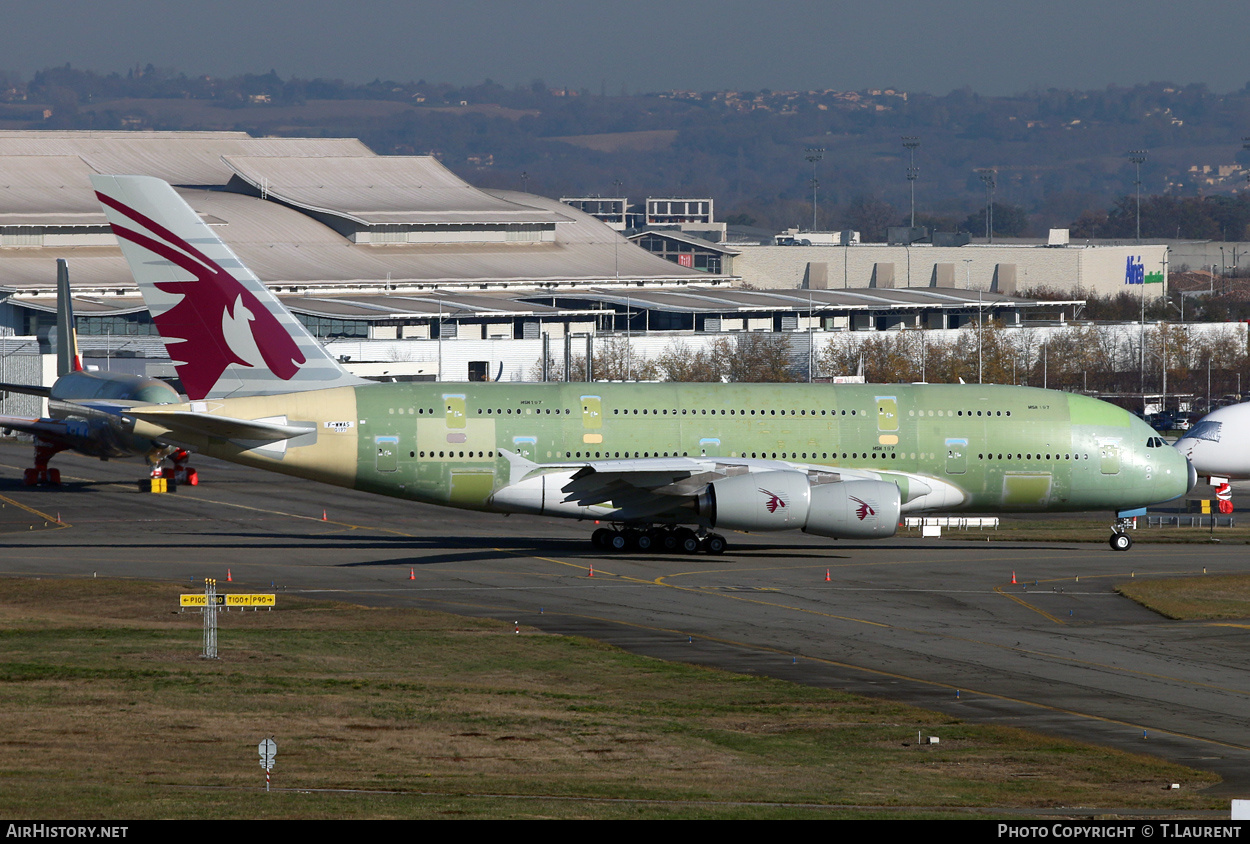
point(772, 501)
point(864, 510)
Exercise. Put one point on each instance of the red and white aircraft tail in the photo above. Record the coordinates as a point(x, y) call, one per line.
point(67, 358)
point(226, 333)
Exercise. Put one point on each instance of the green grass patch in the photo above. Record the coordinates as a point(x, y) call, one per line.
point(111, 713)
point(1205, 597)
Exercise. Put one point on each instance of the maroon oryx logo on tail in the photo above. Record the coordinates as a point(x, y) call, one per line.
point(226, 323)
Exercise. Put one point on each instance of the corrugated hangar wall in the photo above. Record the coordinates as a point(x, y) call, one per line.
point(1073, 269)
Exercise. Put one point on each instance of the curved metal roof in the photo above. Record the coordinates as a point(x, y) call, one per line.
point(381, 190)
point(180, 158)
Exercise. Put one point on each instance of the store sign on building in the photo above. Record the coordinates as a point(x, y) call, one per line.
point(1135, 272)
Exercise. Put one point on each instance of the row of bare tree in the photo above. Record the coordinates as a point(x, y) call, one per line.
point(1101, 358)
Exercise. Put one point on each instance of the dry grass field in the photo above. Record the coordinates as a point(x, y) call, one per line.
point(110, 712)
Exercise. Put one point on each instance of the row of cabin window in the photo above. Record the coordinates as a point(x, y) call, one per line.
point(705, 412)
point(760, 455)
point(1031, 456)
point(450, 454)
point(961, 413)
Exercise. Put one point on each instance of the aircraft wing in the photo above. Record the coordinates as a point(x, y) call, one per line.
point(51, 429)
point(595, 481)
point(661, 488)
point(183, 422)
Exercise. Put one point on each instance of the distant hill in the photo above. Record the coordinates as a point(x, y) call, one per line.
point(1058, 156)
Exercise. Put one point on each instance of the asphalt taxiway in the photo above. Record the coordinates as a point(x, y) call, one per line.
point(932, 622)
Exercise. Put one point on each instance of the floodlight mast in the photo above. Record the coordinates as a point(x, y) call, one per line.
point(988, 175)
point(1138, 157)
point(814, 156)
point(910, 142)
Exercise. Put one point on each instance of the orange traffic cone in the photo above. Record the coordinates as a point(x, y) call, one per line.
point(412, 574)
point(827, 577)
point(229, 579)
point(1013, 578)
point(591, 573)
point(323, 515)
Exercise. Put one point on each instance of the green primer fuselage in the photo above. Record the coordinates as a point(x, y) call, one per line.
point(980, 448)
point(1005, 448)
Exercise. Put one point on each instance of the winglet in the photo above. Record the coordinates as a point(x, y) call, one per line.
point(226, 333)
point(67, 358)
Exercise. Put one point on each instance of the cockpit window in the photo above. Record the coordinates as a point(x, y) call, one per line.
point(1156, 442)
point(1204, 431)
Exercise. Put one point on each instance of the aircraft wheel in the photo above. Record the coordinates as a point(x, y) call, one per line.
point(687, 541)
point(599, 538)
point(669, 541)
point(1121, 542)
point(617, 541)
point(644, 540)
point(714, 544)
point(30, 477)
point(54, 477)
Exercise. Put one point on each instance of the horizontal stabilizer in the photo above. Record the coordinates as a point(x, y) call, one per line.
point(26, 389)
point(221, 427)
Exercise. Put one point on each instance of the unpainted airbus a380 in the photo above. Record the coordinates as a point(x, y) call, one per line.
point(667, 465)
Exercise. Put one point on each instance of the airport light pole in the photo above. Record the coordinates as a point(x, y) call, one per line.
point(1142, 344)
point(910, 142)
point(814, 156)
point(968, 286)
point(980, 338)
point(988, 175)
point(1138, 157)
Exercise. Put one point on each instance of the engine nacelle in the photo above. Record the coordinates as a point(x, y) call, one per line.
point(855, 510)
point(783, 500)
point(758, 501)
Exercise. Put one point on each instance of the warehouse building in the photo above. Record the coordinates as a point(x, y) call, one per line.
point(1078, 270)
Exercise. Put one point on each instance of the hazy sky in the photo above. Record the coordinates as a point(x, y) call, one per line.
point(992, 46)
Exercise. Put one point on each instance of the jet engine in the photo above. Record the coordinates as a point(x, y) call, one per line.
point(781, 500)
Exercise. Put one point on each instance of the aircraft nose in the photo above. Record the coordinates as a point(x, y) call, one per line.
point(1193, 476)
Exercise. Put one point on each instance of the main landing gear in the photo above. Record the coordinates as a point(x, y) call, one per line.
point(679, 540)
point(180, 473)
point(1120, 540)
point(40, 474)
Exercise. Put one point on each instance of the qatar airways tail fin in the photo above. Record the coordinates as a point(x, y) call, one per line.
point(226, 333)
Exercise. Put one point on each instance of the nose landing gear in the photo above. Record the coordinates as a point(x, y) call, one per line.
point(1120, 540)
